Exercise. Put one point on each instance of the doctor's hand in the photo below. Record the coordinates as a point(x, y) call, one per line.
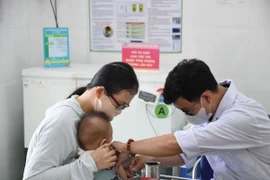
point(124, 154)
point(138, 162)
point(104, 157)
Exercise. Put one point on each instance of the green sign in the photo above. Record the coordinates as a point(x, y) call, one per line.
point(161, 111)
point(56, 47)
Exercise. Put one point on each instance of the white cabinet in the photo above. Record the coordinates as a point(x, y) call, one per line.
point(44, 87)
point(39, 94)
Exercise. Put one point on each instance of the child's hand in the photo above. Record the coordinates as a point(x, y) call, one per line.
point(121, 172)
point(127, 169)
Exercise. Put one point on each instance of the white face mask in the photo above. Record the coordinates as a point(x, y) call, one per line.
point(105, 105)
point(201, 117)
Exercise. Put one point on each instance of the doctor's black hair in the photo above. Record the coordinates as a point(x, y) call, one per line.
point(114, 77)
point(188, 80)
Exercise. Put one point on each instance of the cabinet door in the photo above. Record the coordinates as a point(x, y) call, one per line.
point(39, 95)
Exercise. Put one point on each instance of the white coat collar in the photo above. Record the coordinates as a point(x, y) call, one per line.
point(227, 100)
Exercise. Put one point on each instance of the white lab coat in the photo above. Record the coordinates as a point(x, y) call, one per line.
point(236, 143)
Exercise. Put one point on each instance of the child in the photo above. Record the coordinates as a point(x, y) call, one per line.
point(94, 130)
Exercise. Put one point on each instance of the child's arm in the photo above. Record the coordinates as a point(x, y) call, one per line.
point(121, 173)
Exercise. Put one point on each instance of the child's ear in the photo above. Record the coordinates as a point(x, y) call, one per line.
point(104, 141)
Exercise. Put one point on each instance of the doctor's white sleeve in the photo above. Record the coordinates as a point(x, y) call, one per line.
point(231, 132)
point(53, 147)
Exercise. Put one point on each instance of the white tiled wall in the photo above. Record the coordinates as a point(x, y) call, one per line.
point(233, 38)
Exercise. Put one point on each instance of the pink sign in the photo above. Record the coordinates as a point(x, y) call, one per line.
point(144, 56)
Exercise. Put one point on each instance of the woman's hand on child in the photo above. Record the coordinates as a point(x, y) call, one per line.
point(104, 157)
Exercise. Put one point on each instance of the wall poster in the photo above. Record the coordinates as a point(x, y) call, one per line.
point(113, 22)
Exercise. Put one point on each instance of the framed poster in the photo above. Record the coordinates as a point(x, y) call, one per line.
point(118, 21)
point(56, 47)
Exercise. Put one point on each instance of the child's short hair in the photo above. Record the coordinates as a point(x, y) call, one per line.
point(92, 114)
point(84, 121)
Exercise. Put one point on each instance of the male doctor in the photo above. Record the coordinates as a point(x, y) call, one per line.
point(230, 129)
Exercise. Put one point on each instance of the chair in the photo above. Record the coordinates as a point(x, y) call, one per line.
point(202, 169)
point(196, 169)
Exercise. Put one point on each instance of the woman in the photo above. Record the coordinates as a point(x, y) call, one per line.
point(54, 144)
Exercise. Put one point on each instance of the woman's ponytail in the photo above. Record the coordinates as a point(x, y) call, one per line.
point(78, 91)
